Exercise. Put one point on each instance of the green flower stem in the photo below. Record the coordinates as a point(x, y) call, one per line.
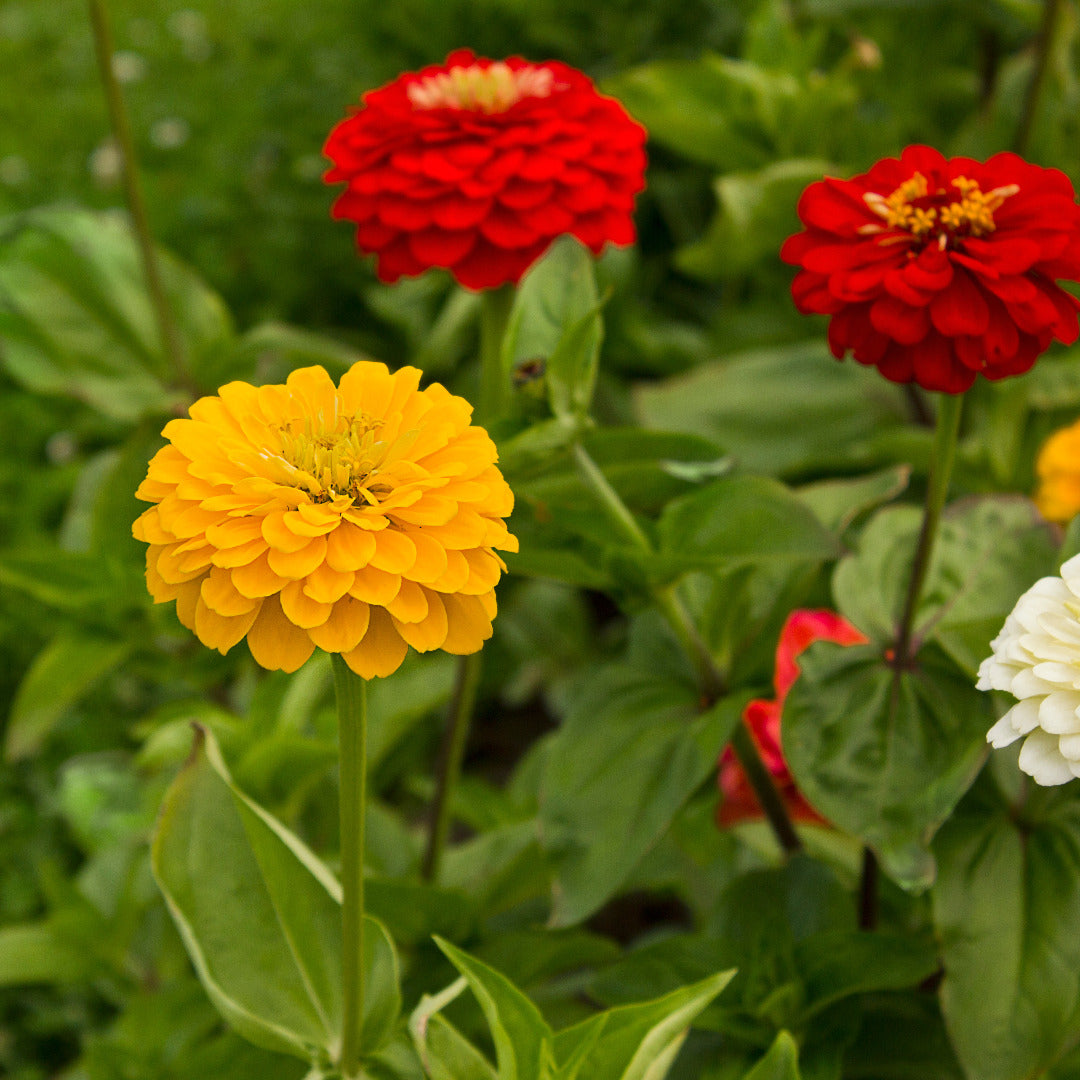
point(950, 406)
point(495, 305)
point(351, 693)
point(121, 129)
point(1044, 43)
point(462, 703)
point(710, 677)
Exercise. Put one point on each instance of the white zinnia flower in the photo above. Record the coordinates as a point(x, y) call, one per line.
point(1036, 658)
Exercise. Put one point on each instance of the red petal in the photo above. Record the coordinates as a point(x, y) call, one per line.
point(897, 320)
point(439, 247)
point(961, 308)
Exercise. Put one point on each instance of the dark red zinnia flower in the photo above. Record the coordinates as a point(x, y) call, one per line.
point(477, 165)
point(936, 269)
point(739, 803)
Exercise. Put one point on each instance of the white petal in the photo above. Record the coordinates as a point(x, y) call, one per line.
point(1041, 759)
point(1045, 647)
point(994, 675)
point(1071, 568)
point(1024, 715)
point(1062, 676)
point(1069, 745)
point(1027, 684)
point(1002, 733)
point(1059, 714)
point(1062, 626)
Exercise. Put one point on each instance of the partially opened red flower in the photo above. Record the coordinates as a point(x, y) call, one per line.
point(936, 269)
point(477, 165)
point(739, 803)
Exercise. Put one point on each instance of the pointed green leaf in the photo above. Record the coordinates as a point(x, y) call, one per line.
point(444, 1052)
point(780, 1063)
point(635, 1042)
point(521, 1035)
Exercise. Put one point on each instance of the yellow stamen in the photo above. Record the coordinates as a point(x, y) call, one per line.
point(489, 90)
point(972, 214)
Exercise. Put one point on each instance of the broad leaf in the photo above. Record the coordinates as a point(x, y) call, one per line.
point(882, 755)
point(1007, 909)
point(739, 519)
point(260, 916)
point(628, 756)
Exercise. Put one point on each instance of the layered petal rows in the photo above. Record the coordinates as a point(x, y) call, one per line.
point(739, 803)
point(936, 270)
point(476, 166)
point(360, 519)
point(1036, 658)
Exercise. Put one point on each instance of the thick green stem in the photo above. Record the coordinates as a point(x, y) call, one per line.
point(495, 308)
point(1043, 46)
point(172, 346)
point(950, 406)
point(710, 678)
point(351, 693)
point(450, 757)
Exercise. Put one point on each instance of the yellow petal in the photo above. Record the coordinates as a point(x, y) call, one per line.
point(349, 547)
point(161, 590)
point(220, 594)
point(278, 536)
point(256, 579)
point(187, 600)
point(394, 552)
point(485, 569)
point(228, 532)
point(300, 608)
point(298, 564)
point(344, 629)
point(276, 643)
point(240, 555)
point(381, 651)
point(430, 562)
point(470, 625)
point(410, 605)
point(375, 586)
point(222, 632)
point(327, 585)
point(430, 632)
point(455, 575)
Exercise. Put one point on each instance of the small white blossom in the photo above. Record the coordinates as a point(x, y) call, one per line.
point(1036, 658)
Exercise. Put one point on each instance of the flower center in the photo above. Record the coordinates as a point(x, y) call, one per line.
point(965, 211)
point(333, 461)
point(489, 90)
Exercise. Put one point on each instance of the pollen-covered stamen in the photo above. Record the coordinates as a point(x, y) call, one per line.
point(337, 458)
point(914, 209)
point(490, 89)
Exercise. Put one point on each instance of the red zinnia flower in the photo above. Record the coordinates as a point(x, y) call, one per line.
point(937, 269)
point(739, 803)
point(477, 166)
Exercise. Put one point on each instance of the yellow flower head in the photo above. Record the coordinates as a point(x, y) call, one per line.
point(1058, 470)
point(357, 518)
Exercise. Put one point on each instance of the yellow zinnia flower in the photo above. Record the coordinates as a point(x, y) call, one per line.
point(1058, 470)
point(357, 518)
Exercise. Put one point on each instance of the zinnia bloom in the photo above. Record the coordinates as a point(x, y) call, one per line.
point(936, 269)
point(739, 803)
point(1036, 658)
point(476, 166)
point(1058, 470)
point(359, 519)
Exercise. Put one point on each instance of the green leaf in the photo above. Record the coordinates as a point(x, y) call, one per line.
point(755, 213)
point(42, 952)
point(739, 519)
point(556, 318)
point(260, 916)
point(780, 1063)
point(629, 754)
point(786, 410)
point(885, 757)
point(61, 674)
point(444, 1052)
point(635, 1042)
point(76, 318)
point(837, 503)
point(1007, 910)
point(989, 551)
point(521, 1035)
